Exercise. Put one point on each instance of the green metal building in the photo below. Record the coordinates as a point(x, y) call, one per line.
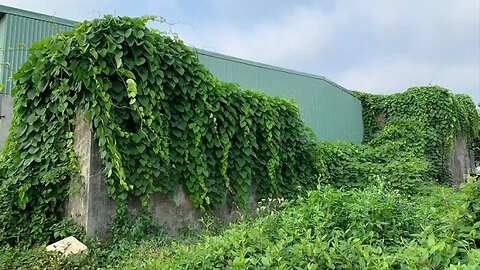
point(330, 110)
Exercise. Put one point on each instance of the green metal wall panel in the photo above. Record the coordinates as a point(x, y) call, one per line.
point(18, 30)
point(330, 110)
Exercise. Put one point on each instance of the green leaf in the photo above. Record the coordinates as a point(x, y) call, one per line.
point(129, 74)
point(139, 61)
point(80, 38)
point(127, 32)
point(431, 240)
point(32, 118)
point(266, 261)
point(118, 61)
point(139, 34)
point(31, 94)
point(94, 53)
point(132, 88)
point(140, 148)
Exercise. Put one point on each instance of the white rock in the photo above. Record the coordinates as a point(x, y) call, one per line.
point(67, 246)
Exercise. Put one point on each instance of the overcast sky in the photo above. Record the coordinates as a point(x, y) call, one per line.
point(372, 46)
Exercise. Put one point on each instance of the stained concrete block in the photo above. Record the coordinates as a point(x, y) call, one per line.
point(171, 211)
point(471, 166)
point(90, 207)
point(459, 160)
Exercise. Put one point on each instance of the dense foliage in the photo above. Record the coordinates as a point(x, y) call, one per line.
point(347, 166)
point(159, 117)
point(333, 229)
point(408, 137)
point(373, 228)
point(426, 119)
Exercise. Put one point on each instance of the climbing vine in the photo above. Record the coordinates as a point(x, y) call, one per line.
point(426, 119)
point(160, 120)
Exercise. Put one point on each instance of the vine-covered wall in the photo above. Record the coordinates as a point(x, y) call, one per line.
point(159, 117)
point(426, 118)
point(409, 139)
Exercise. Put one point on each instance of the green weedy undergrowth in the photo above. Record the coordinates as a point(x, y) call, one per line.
point(373, 228)
point(333, 229)
point(347, 166)
point(159, 117)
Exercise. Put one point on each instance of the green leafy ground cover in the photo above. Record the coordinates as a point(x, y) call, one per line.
point(334, 229)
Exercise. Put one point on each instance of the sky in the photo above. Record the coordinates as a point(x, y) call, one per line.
point(383, 46)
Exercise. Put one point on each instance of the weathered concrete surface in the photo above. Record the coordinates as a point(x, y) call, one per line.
point(459, 160)
point(6, 116)
point(92, 209)
point(471, 156)
point(68, 246)
point(231, 212)
point(171, 211)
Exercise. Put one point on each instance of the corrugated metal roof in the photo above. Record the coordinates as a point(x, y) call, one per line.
point(270, 67)
point(70, 23)
point(19, 33)
point(34, 15)
point(331, 111)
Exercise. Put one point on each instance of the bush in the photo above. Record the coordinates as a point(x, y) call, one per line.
point(371, 228)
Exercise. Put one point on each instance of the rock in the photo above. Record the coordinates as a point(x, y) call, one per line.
point(67, 246)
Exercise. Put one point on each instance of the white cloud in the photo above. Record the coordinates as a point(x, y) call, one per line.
point(412, 43)
point(397, 75)
point(419, 43)
point(298, 35)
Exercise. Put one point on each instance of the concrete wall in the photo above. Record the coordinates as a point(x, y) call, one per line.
point(92, 209)
point(460, 162)
point(6, 116)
